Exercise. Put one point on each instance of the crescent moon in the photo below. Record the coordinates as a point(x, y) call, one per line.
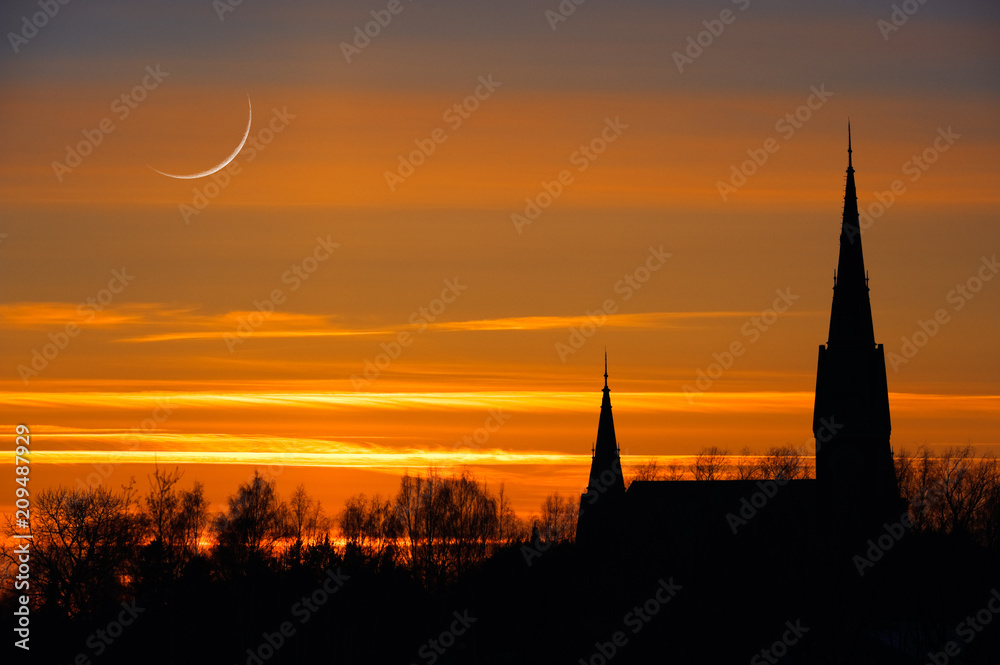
point(225, 162)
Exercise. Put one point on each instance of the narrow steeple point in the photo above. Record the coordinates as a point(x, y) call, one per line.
point(850, 166)
point(851, 316)
point(606, 458)
point(605, 368)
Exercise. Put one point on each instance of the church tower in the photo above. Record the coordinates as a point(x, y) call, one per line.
point(854, 466)
point(606, 487)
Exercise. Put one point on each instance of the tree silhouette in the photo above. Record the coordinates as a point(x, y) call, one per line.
point(648, 470)
point(748, 467)
point(558, 519)
point(953, 492)
point(193, 517)
point(674, 471)
point(438, 527)
point(174, 521)
point(163, 507)
point(966, 486)
point(307, 521)
point(711, 464)
point(510, 528)
point(84, 547)
point(256, 520)
point(783, 463)
point(448, 524)
point(369, 525)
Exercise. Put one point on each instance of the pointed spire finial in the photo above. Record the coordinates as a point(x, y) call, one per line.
point(850, 166)
point(605, 367)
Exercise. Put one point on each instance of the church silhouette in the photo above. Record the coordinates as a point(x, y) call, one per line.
point(855, 490)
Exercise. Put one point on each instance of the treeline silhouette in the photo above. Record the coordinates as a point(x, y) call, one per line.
point(94, 548)
point(714, 463)
point(952, 492)
point(410, 560)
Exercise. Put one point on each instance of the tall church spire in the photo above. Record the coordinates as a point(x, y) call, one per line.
point(854, 465)
point(851, 315)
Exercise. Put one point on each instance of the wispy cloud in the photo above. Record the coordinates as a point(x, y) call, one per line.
point(659, 320)
point(43, 315)
point(525, 401)
point(290, 325)
point(190, 325)
point(365, 459)
point(133, 317)
point(522, 401)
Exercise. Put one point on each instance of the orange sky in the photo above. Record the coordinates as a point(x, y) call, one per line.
point(304, 223)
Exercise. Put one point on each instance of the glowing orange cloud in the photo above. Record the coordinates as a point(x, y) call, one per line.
point(291, 324)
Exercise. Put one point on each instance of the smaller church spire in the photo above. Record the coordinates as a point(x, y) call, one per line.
point(600, 508)
point(605, 452)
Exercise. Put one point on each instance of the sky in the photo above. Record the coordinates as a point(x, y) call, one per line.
point(434, 231)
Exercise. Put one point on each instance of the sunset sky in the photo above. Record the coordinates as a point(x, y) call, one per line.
point(335, 222)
